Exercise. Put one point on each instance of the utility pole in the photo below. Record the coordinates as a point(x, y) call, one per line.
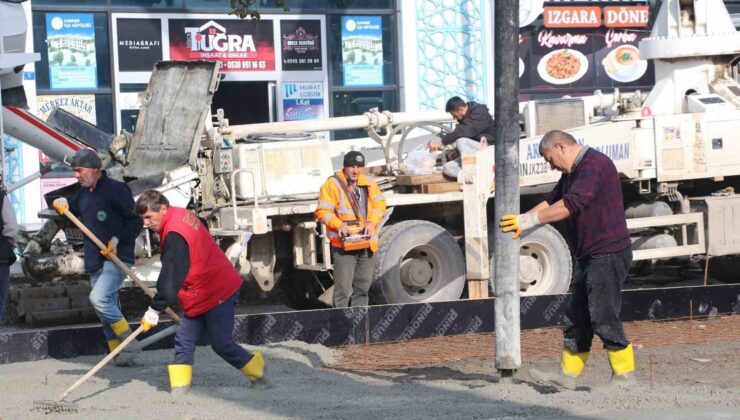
point(506, 249)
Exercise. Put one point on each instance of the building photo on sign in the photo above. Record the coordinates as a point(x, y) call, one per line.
point(139, 43)
point(70, 39)
point(362, 50)
point(301, 44)
point(303, 101)
point(237, 46)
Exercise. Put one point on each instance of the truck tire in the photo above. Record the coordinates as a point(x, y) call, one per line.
point(429, 258)
point(545, 265)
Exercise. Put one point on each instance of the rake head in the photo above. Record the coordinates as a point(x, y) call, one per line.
point(51, 407)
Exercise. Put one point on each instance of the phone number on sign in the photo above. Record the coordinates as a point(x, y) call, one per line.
point(244, 65)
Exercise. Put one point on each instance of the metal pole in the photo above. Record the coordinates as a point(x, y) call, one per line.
point(506, 251)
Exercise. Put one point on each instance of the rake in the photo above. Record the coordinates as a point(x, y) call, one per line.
point(60, 405)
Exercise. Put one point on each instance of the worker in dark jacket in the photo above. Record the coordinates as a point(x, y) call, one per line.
point(474, 124)
point(196, 274)
point(8, 237)
point(105, 206)
point(589, 197)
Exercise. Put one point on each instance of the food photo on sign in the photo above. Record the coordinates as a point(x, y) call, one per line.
point(562, 58)
point(619, 58)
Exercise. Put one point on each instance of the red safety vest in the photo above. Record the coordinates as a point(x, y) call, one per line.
point(211, 278)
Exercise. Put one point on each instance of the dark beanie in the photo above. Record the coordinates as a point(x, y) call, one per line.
point(354, 159)
point(85, 158)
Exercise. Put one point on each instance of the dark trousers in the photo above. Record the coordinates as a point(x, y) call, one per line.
point(4, 286)
point(353, 273)
point(596, 300)
point(219, 322)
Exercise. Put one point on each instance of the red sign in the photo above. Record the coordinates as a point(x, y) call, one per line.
point(572, 17)
point(626, 16)
point(236, 45)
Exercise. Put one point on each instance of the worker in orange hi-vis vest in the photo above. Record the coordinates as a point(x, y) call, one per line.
point(352, 207)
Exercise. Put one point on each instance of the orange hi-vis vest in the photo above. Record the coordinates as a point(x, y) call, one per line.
point(211, 279)
point(335, 208)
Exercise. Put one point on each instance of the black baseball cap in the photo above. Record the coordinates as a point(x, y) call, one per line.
point(354, 158)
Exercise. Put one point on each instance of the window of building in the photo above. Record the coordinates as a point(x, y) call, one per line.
point(71, 59)
point(363, 71)
point(354, 102)
point(150, 4)
point(70, 3)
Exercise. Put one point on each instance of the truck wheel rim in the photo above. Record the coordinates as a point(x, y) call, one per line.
point(421, 272)
point(538, 274)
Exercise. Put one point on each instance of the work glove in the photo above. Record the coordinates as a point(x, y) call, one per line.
point(112, 247)
point(60, 205)
point(518, 223)
point(150, 319)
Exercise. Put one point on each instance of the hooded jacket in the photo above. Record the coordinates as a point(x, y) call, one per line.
point(476, 123)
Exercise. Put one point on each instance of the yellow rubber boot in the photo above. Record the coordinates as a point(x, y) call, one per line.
point(122, 330)
point(255, 367)
point(180, 377)
point(571, 365)
point(112, 344)
point(623, 366)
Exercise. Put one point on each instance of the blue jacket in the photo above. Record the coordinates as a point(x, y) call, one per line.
point(107, 211)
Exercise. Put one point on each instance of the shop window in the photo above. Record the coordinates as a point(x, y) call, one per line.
point(359, 102)
point(129, 102)
point(70, 3)
point(294, 5)
point(356, 61)
point(360, 4)
point(71, 59)
point(153, 4)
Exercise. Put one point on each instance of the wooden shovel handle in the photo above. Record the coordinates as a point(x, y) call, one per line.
point(113, 257)
point(101, 363)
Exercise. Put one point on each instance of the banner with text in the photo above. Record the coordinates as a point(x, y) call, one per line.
point(362, 50)
point(301, 44)
point(70, 39)
point(303, 101)
point(236, 45)
point(139, 44)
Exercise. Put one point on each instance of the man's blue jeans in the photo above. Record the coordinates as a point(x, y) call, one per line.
point(104, 295)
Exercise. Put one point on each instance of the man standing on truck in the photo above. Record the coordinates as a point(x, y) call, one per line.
point(106, 208)
point(352, 207)
point(474, 125)
point(196, 274)
point(589, 197)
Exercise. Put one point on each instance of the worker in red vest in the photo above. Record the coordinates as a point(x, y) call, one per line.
point(197, 274)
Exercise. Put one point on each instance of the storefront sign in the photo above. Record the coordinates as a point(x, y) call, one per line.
point(139, 44)
point(362, 50)
point(81, 106)
point(301, 44)
point(236, 45)
point(303, 101)
point(70, 39)
point(573, 17)
point(626, 16)
point(581, 60)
